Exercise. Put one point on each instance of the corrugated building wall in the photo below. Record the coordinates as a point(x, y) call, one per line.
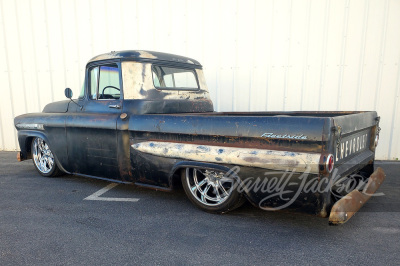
point(257, 54)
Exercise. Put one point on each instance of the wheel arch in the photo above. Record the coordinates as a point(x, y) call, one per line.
point(25, 139)
point(175, 177)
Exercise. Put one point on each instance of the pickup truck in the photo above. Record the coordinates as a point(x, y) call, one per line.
point(146, 118)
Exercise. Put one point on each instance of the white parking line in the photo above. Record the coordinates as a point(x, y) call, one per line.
point(97, 194)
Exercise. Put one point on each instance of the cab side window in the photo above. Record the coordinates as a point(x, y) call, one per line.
point(104, 82)
point(172, 78)
point(109, 82)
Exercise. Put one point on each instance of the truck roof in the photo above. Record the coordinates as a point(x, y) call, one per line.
point(140, 55)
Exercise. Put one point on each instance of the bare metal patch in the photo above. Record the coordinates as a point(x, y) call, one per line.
point(144, 54)
point(268, 159)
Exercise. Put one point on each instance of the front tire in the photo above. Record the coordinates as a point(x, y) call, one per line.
point(211, 190)
point(43, 158)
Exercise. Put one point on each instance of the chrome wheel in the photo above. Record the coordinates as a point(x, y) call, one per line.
point(210, 188)
point(42, 156)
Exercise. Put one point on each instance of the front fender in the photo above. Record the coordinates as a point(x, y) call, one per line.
point(25, 138)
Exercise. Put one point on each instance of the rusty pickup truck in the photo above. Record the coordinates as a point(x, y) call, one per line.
point(146, 118)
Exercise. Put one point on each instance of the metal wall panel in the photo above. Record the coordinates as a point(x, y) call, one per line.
point(257, 54)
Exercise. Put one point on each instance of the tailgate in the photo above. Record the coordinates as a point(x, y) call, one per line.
point(354, 141)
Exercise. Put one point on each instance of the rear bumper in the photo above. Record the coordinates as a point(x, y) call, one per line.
point(346, 207)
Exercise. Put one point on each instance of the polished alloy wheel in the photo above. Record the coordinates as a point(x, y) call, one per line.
point(42, 156)
point(211, 188)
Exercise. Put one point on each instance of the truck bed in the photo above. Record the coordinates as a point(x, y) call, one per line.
point(346, 135)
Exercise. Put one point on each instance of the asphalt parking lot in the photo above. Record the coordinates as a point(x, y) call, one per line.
point(48, 221)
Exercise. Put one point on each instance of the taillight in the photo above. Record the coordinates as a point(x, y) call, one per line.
point(329, 163)
point(376, 140)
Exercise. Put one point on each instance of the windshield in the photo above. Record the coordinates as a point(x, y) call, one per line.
point(82, 94)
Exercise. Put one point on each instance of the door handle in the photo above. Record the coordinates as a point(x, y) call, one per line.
point(115, 106)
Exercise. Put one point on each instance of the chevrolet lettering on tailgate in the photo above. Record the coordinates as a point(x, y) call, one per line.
point(352, 145)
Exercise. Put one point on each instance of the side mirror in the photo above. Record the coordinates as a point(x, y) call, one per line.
point(68, 93)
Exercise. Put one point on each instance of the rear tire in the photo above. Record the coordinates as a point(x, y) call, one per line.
point(43, 158)
point(211, 191)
